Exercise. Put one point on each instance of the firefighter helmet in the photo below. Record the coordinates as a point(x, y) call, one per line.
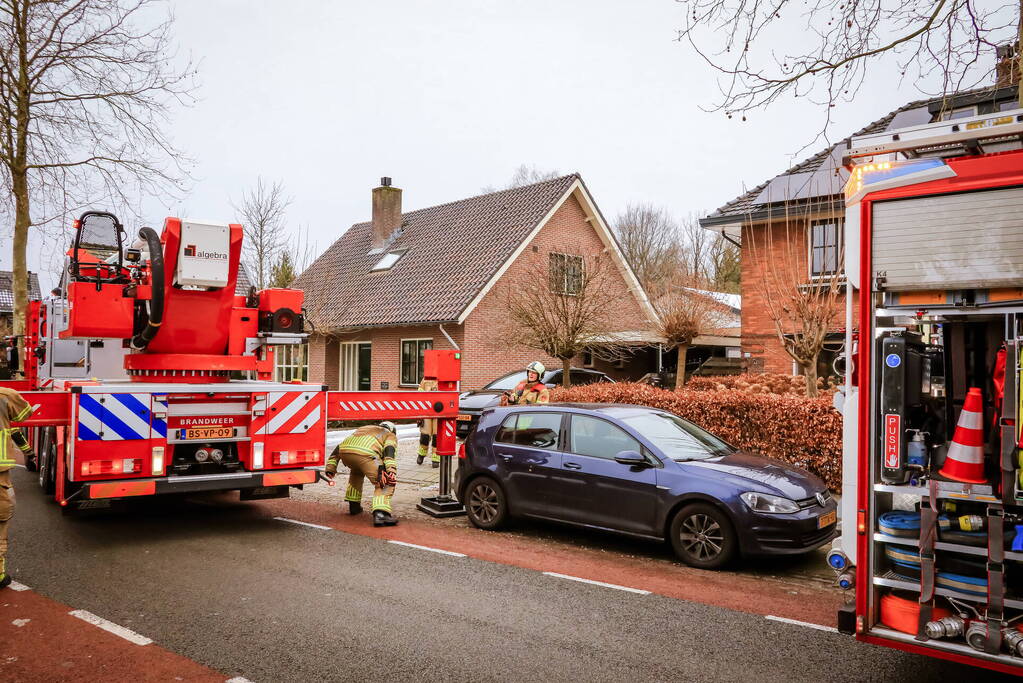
point(537, 367)
point(389, 426)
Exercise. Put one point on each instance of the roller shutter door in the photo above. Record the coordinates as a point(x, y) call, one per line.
point(972, 240)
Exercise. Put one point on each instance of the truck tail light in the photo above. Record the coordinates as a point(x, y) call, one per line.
point(294, 457)
point(257, 455)
point(157, 461)
point(92, 468)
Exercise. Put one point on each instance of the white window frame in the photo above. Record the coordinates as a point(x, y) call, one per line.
point(340, 365)
point(401, 347)
point(564, 284)
point(839, 236)
point(291, 361)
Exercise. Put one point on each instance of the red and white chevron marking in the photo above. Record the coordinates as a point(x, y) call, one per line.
point(393, 406)
point(291, 412)
point(449, 428)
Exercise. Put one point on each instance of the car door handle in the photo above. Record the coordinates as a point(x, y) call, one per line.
point(505, 456)
point(573, 466)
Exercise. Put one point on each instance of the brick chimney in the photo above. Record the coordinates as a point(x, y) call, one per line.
point(1007, 67)
point(386, 212)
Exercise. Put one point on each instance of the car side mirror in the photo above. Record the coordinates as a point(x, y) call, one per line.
point(633, 458)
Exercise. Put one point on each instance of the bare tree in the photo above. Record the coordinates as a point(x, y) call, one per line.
point(802, 307)
point(725, 265)
point(822, 50)
point(563, 307)
point(525, 174)
point(85, 90)
point(263, 210)
point(650, 239)
point(684, 313)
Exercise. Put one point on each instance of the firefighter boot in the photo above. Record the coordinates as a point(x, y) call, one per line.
point(5, 578)
point(354, 507)
point(383, 518)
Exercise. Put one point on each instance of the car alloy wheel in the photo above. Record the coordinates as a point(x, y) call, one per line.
point(485, 504)
point(702, 537)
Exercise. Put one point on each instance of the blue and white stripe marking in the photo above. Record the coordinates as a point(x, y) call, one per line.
point(120, 417)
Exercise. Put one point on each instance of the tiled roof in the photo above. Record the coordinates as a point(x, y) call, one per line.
point(450, 252)
point(822, 174)
point(7, 290)
point(242, 282)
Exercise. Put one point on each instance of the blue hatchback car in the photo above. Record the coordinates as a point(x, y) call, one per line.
point(643, 472)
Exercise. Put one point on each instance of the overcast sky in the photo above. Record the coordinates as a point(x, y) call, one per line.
point(448, 97)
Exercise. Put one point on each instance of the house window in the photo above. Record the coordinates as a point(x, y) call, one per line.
point(587, 359)
point(388, 261)
point(566, 273)
point(412, 351)
point(824, 247)
point(354, 366)
point(959, 113)
point(291, 361)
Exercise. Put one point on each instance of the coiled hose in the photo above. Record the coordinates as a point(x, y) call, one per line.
point(155, 317)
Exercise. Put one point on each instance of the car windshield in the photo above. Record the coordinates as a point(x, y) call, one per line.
point(508, 382)
point(677, 439)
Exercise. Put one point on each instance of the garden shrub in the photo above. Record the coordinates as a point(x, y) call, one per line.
point(806, 432)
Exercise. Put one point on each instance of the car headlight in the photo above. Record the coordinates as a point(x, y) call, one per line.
point(765, 502)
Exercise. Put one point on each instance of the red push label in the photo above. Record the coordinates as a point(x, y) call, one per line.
point(892, 440)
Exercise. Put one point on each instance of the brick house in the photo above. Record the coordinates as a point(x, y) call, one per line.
point(404, 282)
point(797, 216)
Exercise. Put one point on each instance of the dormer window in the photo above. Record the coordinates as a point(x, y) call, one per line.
point(388, 261)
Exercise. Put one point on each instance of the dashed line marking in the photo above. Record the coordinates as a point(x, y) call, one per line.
point(432, 550)
point(15, 586)
point(807, 624)
point(309, 524)
point(111, 627)
point(640, 591)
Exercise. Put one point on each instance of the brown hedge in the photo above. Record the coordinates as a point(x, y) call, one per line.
point(756, 383)
point(806, 432)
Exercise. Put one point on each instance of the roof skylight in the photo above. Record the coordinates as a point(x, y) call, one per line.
point(388, 261)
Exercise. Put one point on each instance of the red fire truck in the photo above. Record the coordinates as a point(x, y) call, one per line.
point(932, 544)
point(148, 373)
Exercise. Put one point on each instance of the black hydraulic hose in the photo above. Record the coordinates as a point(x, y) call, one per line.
point(142, 339)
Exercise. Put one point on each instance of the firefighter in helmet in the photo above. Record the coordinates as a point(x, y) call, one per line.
point(428, 430)
point(529, 390)
point(370, 453)
point(13, 408)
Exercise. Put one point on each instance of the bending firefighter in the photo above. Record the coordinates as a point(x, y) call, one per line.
point(13, 408)
point(529, 390)
point(428, 430)
point(370, 454)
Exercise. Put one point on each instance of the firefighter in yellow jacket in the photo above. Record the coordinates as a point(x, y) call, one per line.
point(428, 430)
point(370, 453)
point(13, 408)
point(529, 390)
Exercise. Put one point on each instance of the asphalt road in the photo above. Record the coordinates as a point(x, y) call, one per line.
point(251, 596)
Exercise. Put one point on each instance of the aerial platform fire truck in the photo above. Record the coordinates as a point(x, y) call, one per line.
point(148, 374)
point(931, 552)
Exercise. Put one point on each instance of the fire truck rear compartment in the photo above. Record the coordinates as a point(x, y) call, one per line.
point(925, 363)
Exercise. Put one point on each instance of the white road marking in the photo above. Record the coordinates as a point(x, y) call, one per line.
point(15, 586)
point(20, 622)
point(432, 550)
point(796, 622)
point(238, 679)
point(598, 583)
point(295, 521)
point(111, 627)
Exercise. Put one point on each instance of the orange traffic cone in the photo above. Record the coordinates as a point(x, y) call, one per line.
point(965, 460)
